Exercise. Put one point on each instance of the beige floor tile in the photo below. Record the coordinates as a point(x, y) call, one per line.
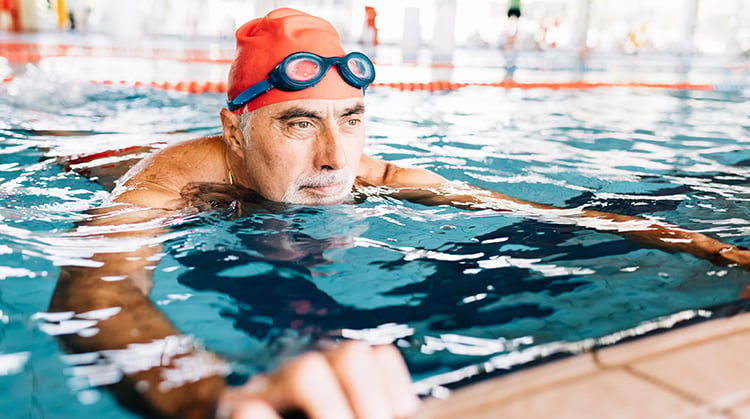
point(670, 376)
point(604, 394)
point(717, 372)
point(496, 390)
point(642, 348)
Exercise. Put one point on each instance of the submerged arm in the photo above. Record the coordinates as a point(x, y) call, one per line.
point(180, 379)
point(427, 188)
point(121, 278)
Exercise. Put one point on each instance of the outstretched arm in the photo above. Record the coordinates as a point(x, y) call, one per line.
point(425, 187)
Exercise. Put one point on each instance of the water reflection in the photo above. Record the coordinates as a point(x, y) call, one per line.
point(451, 290)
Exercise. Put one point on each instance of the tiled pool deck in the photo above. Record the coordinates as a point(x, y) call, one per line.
point(699, 371)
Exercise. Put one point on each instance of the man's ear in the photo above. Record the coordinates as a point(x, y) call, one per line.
point(233, 135)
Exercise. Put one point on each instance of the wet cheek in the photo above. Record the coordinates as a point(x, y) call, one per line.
point(281, 170)
point(263, 172)
point(354, 151)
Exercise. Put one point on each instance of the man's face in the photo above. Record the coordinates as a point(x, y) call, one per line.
point(305, 151)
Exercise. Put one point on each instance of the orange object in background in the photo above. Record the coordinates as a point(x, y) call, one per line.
point(12, 7)
point(371, 14)
point(62, 14)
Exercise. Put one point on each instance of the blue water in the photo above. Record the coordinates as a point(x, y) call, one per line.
point(453, 288)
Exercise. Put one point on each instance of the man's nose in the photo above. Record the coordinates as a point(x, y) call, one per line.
point(330, 153)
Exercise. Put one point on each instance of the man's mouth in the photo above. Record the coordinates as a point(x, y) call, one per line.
point(326, 190)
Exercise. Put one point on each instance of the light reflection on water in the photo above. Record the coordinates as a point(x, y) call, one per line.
point(477, 284)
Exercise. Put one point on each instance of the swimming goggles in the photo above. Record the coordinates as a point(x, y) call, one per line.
point(301, 70)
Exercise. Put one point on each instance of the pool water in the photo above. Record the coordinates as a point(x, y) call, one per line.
point(453, 288)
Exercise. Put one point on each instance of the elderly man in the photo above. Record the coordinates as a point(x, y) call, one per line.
point(293, 132)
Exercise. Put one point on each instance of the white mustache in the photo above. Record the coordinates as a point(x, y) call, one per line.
point(319, 179)
point(295, 195)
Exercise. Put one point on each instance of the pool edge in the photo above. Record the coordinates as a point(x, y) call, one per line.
point(699, 370)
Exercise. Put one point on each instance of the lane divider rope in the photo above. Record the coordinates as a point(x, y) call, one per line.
point(435, 86)
point(510, 84)
point(24, 52)
point(31, 52)
point(444, 85)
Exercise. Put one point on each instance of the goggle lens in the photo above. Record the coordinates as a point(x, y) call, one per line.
point(302, 69)
point(360, 68)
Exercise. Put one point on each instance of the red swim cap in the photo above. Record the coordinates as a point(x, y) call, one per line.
point(261, 45)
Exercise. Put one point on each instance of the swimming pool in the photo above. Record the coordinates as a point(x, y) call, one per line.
point(453, 288)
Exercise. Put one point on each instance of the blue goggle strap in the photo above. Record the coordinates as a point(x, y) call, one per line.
point(275, 79)
point(249, 93)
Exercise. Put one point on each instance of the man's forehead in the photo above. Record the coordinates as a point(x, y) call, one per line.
point(317, 106)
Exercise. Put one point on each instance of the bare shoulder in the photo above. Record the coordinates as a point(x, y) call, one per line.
point(377, 172)
point(162, 175)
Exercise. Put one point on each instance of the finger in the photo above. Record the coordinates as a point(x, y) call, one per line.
point(308, 383)
point(254, 409)
point(745, 293)
point(399, 389)
point(357, 370)
point(245, 402)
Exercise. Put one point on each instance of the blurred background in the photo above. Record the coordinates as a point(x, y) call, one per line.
point(577, 26)
point(412, 41)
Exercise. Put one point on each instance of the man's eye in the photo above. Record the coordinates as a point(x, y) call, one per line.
point(301, 124)
point(353, 122)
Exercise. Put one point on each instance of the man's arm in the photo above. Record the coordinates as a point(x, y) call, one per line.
point(122, 280)
point(425, 187)
point(179, 378)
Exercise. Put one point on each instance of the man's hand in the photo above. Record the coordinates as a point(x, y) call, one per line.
point(353, 380)
point(208, 196)
point(735, 255)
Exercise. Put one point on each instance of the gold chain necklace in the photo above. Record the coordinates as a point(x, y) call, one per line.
point(229, 168)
